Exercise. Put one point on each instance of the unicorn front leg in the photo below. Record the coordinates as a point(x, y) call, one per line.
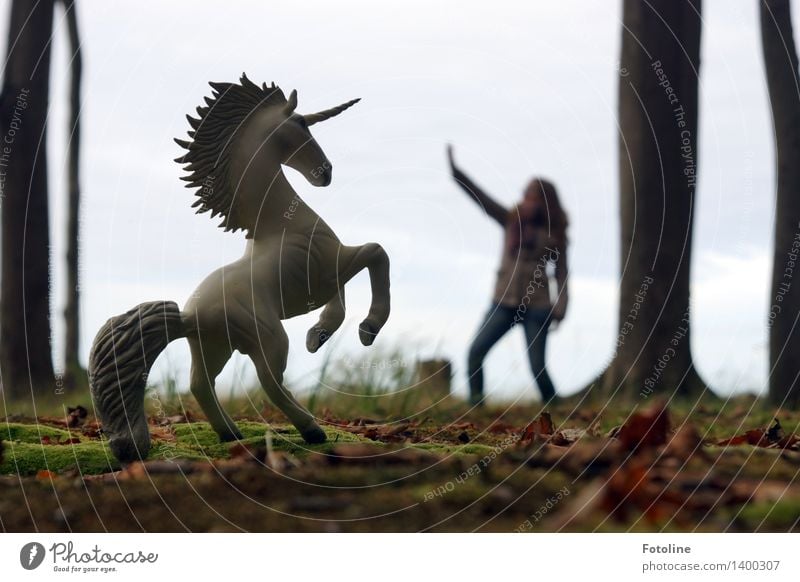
point(372, 257)
point(330, 320)
point(377, 262)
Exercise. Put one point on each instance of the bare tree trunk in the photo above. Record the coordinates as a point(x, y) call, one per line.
point(658, 112)
point(74, 374)
point(26, 362)
point(783, 82)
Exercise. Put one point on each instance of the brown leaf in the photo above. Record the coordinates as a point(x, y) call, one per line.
point(645, 429)
point(165, 434)
point(542, 425)
point(790, 442)
point(501, 427)
point(175, 419)
point(388, 433)
point(755, 437)
point(571, 435)
point(542, 430)
point(76, 416)
point(245, 452)
point(585, 458)
point(364, 421)
point(462, 426)
point(685, 443)
point(391, 431)
point(92, 430)
point(758, 437)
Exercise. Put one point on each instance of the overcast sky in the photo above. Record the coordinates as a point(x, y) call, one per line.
point(521, 89)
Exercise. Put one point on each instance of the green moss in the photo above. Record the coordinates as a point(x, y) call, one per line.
point(31, 433)
point(25, 455)
point(468, 449)
point(27, 458)
point(778, 515)
point(199, 439)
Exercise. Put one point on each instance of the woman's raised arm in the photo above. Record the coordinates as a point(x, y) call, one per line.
point(486, 202)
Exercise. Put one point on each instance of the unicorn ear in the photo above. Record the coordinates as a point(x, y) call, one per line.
point(291, 104)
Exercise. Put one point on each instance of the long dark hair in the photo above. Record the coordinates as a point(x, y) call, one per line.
point(550, 215)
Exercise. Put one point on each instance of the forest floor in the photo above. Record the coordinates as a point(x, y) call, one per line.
point(727, 466)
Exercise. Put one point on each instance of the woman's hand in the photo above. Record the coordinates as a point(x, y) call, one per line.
point(557, 314)
point(489, 205)
point(450, 158)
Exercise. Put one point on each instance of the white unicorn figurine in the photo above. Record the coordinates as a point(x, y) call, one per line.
point(293, 263)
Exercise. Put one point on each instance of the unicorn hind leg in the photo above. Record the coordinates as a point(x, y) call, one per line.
point(208, 359)
point(269, 354)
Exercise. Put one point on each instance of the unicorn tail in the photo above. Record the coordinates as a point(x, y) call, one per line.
point(120, 359)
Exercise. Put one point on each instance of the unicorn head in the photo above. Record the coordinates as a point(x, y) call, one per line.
point(243, 131)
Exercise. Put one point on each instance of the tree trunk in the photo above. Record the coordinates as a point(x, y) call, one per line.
point(26, 363)
point(783, 82)
point(74, 374)
point(658, 112)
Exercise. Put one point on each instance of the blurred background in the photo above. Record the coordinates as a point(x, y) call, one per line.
point(520, 89)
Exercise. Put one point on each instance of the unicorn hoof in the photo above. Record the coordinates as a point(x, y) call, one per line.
point(315, 338)
point(367, 332)
point(314, 435)
point(229, 436)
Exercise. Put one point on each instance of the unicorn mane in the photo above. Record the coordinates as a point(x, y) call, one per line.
point(208, 155)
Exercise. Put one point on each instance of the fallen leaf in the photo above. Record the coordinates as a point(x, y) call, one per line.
point(541, 429)
point(92, 430)
point(573, 434)
point(76, 416)
point(501, 427)
point(165, 434)
point(462, 426)
point(585, 458)
point(246, 452)
point(685, 443)
point(758, 437)
point(645, 429)
point(542, 425)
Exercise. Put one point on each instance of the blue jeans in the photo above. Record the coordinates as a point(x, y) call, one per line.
point(498, 321)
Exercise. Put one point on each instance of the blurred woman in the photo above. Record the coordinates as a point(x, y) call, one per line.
point(535, 238)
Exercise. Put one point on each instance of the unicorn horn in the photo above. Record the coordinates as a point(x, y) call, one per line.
point(313, 118)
